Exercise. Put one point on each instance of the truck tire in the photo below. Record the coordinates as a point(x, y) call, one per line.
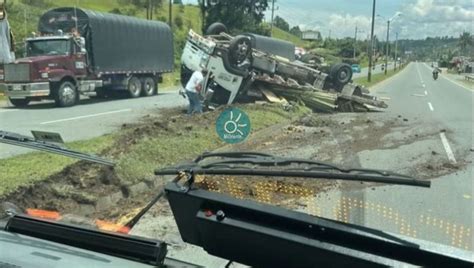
point(20, 102)
point(216, 28)
point(149, 87)
point(240, 49)
point(66, 94)
point(341, 73)
point(134, 87)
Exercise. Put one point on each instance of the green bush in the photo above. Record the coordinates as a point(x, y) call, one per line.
point(178, 21)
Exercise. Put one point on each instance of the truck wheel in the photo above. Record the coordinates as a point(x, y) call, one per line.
point(66, 95)
point(20, 102)
point(341, 73)
point(149, 87)
point(216, 28)
point(134, 87)
point(239, 49)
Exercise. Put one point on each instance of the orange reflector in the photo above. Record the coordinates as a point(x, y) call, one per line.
point(45, 214)
point(111, 227)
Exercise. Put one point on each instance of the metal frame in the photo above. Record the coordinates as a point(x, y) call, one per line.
point(262, 235)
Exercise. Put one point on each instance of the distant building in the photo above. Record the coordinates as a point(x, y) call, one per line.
point(311, 35)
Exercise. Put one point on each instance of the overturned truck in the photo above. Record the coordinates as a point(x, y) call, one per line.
point(249, 67)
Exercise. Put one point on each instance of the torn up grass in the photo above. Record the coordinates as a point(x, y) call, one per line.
point(185, 141)
point(25, 169)
point(140, 148)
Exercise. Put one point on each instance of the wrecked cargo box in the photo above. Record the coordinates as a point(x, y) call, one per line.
point(250, 67)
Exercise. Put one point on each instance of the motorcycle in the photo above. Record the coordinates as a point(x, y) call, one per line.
point(435, 75)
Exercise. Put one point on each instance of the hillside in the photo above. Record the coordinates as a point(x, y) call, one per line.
point(280, 34)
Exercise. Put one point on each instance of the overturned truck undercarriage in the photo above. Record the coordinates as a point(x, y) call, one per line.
point(251, 67)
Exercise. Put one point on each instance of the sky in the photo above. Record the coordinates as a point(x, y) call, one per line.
point(419, 18)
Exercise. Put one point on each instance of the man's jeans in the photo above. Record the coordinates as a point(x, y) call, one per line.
point(194, 102)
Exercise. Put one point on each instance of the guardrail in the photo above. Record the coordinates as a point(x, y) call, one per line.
point(469, 77)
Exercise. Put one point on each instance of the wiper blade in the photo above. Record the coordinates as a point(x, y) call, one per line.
point(256, 164)
point(28, 142)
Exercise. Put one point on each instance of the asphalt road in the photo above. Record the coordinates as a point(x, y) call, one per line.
point(91, 118)
point(444, 212)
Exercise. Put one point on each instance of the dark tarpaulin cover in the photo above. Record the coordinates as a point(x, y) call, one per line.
point(273, 46)
point(116, 43)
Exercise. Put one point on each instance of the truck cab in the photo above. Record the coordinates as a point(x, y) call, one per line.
point(51, 70)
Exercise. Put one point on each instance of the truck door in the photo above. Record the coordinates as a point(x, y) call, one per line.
point(79, 59)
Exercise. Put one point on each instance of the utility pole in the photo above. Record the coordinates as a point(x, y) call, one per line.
point(170, 15)
point(329, 36)
point(355, 42)
point(271, 23)
point(396, 47)
point(369, 74)
point(387, 46)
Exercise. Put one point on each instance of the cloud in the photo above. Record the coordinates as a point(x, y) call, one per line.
point(440, 11)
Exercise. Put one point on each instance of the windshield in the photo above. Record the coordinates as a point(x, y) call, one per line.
point(156, 88)
point(48, 47)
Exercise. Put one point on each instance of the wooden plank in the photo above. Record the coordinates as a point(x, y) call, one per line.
point(271, 97)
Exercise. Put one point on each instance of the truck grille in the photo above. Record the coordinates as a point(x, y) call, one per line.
point(17, 72)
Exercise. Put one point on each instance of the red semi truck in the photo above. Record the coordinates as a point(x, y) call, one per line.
point(86, 52)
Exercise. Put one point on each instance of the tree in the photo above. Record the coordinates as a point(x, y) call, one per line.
point(149, 5)
point(295, 30)
point(281, 23)
point(238, 16)
point(465, 41)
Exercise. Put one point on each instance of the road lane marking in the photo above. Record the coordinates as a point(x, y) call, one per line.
point(8, 110)
point(424, 85)
point(431, 106)
point(84, 116)
point(447, 148)
point(426, 93)
point(419, 74)
point(419, 95)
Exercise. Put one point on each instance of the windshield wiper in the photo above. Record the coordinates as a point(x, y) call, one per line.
point(258, 164)
point(28, 142)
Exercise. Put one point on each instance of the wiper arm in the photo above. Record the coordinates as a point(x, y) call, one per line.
point(28, 142)
point(256, 164)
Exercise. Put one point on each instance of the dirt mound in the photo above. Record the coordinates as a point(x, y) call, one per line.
point(78, 184)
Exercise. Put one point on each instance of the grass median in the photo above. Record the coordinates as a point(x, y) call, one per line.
point(377, 78)
point(141, 147)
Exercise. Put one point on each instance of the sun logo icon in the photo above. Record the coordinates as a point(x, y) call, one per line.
point(233, 125)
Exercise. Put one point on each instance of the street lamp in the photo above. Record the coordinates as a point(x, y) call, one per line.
point(397, 14)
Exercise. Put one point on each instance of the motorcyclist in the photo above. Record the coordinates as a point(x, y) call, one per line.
point(436, 72)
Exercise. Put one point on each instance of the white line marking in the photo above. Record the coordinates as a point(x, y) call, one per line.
point(447, 148)
point(84, 116)
point(431, 106)
point(426, 93)
point(8, 110)
point(418, 95)
point(419, 74)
